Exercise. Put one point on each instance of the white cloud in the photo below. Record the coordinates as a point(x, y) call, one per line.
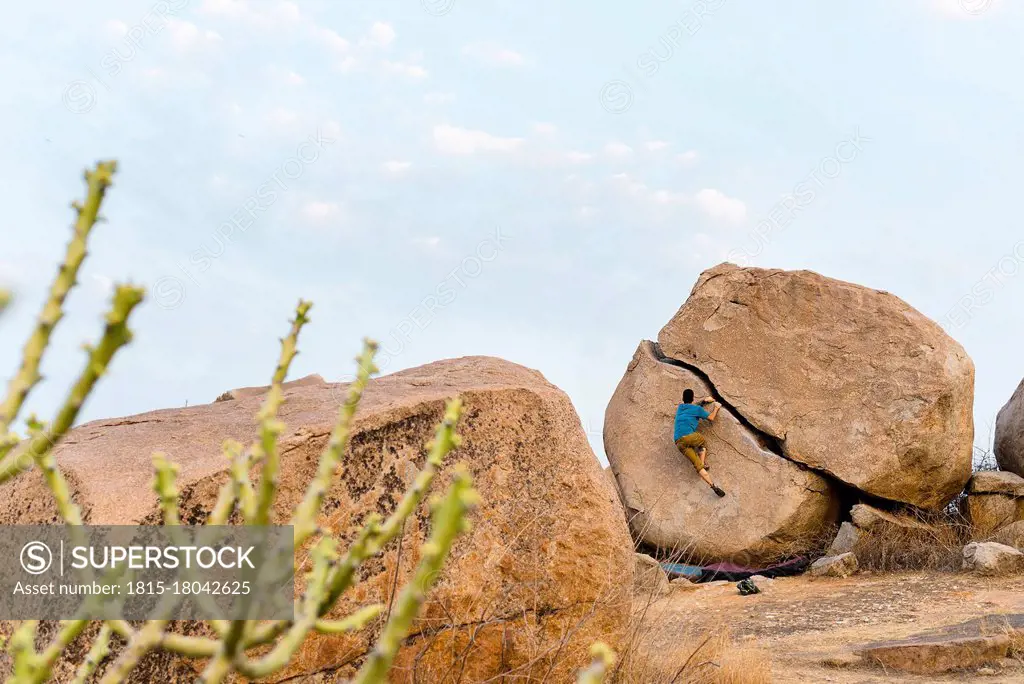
point(656, 145)
point(347, 64)
point(103, 284)
point(405, 69)
point(714, 203)
point(115, 28)
point(586, 212)
point(331, 39)
point(396, 168)
point(493, 55)
point(668, 197)
point(382, 34)
point(617, 149)
point(286, 76)
point(428, 242)
point(545, 128)
point(720, 206)
point(282, 116)
point(631, 186)
point(463, 141)
point(689, 158)
point(321, 212)
point(185, 36)
point(578, 157)
point(332, 130)
point(438, 98)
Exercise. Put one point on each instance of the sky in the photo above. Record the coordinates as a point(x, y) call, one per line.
point(541, 182)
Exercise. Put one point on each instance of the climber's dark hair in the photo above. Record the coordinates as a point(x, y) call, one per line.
point(688, 396)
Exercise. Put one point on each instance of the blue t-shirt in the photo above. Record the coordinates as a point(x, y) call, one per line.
point(687, 416)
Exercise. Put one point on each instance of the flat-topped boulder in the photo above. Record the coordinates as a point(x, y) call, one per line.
point(994, 500)
point(849, 380)
point(546, 568)
point(773, 507)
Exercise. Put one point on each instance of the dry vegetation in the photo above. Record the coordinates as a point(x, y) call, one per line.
point(891, 548)
point(713, 659)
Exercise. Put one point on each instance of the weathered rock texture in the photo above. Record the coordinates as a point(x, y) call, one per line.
point(842, 565)
point(994, 500)
point(955, 647)
point(1011, 535)
point(548, 556)
point(992, 558)
point(773, 507)
point(845, 540)
point(1009, 438)
point(870, 519)
point(649, 579)
point(850, 381)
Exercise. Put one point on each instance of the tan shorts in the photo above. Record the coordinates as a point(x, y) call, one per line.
point(689, 444)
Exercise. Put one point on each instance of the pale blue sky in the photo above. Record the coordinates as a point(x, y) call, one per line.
point(548, 179)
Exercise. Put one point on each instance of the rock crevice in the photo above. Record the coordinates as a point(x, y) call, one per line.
point(773, 508)
point(768, 441)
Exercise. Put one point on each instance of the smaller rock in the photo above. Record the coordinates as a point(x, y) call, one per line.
point(866, 518)
point(762, 582)
point(649, 579)
point(682, 584)
point(996, 482)
point(992, 558)
point(845, 540)
point(243, 392)
point(843, 565)
point(994, 500)
point(1011, 535)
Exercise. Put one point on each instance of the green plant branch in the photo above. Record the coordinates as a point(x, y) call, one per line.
point(304, 519)
point(27, 377)
point(116, 334)
point(270, 427)
point(448, 521)
point(100, 650)
point(324, 554)
point(374, 536)
point(143, 641)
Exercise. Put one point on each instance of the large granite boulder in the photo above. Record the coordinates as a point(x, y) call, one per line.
point(546, 569)
point(994, 500)
point(851, 381)
point(1009, 438)
point(772, 508)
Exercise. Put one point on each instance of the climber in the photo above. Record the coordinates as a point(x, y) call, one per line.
point(690, 442)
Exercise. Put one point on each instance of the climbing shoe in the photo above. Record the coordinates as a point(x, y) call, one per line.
point(717, 490)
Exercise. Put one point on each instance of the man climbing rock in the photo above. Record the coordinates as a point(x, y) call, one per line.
point(690, 442)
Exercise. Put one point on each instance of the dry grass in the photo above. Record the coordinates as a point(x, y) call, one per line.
point(714, 659)
point(936, 544)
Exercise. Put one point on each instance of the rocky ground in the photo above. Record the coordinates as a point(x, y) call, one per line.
point(811, 628)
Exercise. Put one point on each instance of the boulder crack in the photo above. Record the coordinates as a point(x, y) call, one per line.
point(769, 442)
